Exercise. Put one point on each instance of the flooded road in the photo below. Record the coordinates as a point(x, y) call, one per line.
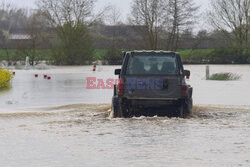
point(60, 123)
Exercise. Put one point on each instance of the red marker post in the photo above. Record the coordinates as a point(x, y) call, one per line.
point(94, 68)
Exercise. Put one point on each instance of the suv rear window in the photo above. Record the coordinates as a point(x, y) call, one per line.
point(152, 65)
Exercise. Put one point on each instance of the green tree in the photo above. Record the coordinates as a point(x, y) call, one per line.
point(74, 45)
point(113, 56)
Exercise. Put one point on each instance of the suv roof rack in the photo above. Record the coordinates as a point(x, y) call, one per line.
point(150, 51)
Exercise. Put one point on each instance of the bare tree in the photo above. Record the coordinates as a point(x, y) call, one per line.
point(114, 16)
point(114, 19)
point(149, 13)
point(10, 17)
point(113, 55)
point(61, 12)
point(232, 16)
point(70, 19)
point(37, 30)
point(4, 29)
point(182, 15)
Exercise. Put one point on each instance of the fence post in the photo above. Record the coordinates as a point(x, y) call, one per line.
point(207, 72)
point(27, 63)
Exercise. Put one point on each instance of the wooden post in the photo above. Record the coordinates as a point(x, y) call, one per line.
point(207, 72)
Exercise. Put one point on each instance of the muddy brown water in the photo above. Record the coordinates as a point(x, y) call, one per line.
point(72, 127)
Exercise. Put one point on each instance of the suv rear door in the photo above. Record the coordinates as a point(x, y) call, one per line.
point(152, 75)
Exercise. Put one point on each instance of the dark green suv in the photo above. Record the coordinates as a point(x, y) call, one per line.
point(152, 81)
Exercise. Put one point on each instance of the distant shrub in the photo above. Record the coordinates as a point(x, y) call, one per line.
point(99, 54)
point(229, 55)
point(5, 77)
point(224, 77)
point(113, 57)
point(198, 56)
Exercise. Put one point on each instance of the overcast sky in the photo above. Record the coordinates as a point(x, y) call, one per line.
point(122, 5)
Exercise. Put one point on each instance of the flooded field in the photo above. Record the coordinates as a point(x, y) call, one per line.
point(59, 122)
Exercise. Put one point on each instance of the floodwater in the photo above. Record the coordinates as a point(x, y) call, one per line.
point(58, 123)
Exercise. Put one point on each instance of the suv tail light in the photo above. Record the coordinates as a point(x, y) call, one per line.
point(120, 88)
point(184, 91)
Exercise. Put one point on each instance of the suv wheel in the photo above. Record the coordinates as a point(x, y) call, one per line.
point(116, 108)
point(119, 110)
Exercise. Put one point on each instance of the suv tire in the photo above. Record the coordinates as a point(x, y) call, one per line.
point(185, 108)
point(116, 108)
point(120, 109)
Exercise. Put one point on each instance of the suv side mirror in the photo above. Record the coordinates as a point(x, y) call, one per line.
point(187, 73)
point(118, 71)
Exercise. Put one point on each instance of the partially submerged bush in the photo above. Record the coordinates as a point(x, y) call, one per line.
point(5, 77)
point(224, 77)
